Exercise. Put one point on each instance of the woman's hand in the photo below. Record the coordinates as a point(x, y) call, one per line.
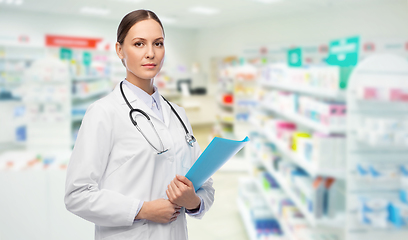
point(160, 211)
point(181, 192)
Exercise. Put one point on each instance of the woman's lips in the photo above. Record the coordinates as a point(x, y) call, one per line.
point(149, 66)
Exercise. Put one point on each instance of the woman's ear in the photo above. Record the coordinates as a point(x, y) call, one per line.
point(119, 52)
point(118, 48)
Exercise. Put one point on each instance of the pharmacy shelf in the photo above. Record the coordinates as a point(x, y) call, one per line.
point(323, 222)
point(90, 95)
point(226, 105)
point(299, 119)
point(7, 146)
point(77, 118)
point(246, 217)
point(312, 91)
point(312, 170)
point(89, 78)
point(226, 121)
point(284, 226)
point(19, 58)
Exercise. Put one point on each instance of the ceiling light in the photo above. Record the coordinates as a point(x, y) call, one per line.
point(95, 11)
point(267, 1)
point(204, 10)
point(12, 2)
point(130, 1)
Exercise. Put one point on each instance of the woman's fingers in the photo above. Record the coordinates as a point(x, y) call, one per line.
point(178, 183)
point(171, 192)
point(184, 180)
point(175, 187)
point(174, 217)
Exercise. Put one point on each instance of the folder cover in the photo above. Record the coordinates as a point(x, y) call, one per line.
point(218, 152)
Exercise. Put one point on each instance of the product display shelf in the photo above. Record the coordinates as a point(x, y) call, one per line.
point(226, 105)
point(284, 226)
point(89, 78)
point(77, 118)
point(90, 95)
point(226, 121)
point(324, 222)
point(317, 92)
point(380, 73)
point(233, 90)
point(303, 163)
point(246, 218)
point(305, 121)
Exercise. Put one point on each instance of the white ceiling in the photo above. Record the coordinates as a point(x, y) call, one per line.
point(231, 11)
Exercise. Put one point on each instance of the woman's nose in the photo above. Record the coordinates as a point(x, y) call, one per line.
point(150, 52)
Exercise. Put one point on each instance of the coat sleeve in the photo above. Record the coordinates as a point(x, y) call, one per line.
point(86, 167)
point(206, 191)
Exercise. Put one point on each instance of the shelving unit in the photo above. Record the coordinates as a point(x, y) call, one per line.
point(246, 211)
point(236, 85)
point(325, 226)
point(288, 190)
point(378, 74)
point(299, 119)
point(303, 163)
point(284, 226)
point(246, 219)
point(312, 91)
point(90, 95)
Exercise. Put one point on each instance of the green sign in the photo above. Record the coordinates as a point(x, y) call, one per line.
point(344, 52)
point(295, 57)
point(87, 58)
point(345, 73)
point(65, 54)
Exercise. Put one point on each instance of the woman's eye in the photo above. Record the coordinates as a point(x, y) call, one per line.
point(138, 44)
point(159, 44)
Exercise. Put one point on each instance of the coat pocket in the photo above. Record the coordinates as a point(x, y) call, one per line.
point(135, 232)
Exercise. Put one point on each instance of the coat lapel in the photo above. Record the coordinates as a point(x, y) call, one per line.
point(166, 110)
point(135, 102)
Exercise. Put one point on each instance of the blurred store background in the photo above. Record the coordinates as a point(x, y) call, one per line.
point(319, 86)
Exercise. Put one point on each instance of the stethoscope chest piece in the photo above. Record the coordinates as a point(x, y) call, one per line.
point(190, 139)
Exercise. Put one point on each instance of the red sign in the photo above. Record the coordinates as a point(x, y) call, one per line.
point(70, 42)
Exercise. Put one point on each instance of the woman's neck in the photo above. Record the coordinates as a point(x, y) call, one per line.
point(144, 84)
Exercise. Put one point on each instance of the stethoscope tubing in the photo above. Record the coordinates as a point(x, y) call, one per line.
point(189, 138)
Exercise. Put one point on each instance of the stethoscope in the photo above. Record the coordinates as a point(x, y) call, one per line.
point(190, 139)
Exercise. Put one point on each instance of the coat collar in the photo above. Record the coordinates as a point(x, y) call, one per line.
point(136, 102)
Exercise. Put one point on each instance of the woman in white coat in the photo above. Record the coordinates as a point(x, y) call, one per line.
point(126, 173)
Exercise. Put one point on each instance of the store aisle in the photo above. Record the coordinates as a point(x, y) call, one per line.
point(223, 221)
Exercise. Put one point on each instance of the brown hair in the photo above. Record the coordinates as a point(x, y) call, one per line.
point(131, 19)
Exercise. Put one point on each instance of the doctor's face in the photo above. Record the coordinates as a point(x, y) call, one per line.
point(143, 49)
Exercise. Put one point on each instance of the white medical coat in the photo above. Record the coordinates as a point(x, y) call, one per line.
point(113, 168)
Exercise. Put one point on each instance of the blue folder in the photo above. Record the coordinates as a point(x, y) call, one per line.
point(218, 152)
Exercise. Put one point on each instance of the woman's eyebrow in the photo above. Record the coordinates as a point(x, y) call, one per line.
point(145, 39)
